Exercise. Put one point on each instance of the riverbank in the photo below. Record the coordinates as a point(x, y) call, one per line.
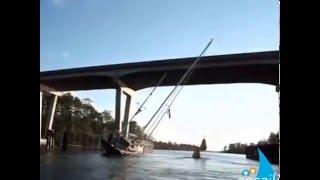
point(173, 146)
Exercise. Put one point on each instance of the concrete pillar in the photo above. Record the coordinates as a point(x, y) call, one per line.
point(40, 113)
point(50, 139)
point(118, 109)
point(125, 129)
point(47, 118)
point(50, 115)
point(53, 111)
point(123, 92)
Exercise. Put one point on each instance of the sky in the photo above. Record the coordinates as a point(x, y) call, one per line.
point(79, 33)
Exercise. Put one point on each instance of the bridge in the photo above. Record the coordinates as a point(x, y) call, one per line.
point(255, 67)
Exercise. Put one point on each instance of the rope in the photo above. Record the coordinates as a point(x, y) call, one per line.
point(139, 109)
point(168, 107)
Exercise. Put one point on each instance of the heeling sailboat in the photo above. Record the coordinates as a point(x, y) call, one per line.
point(162, 110)
point(202, 147)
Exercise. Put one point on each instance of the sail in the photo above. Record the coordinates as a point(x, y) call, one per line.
point(203, 146)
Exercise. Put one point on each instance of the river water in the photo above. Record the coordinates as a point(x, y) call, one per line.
point(161, 164)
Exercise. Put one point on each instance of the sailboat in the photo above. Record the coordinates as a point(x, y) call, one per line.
point(203, 147)
point(161, 111)
point(114, 148)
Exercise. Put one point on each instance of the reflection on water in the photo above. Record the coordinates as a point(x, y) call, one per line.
point(157, 165)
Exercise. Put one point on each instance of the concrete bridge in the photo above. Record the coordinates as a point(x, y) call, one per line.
point(256, 67)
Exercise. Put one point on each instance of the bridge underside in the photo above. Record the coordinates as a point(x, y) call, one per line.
point(259, 67)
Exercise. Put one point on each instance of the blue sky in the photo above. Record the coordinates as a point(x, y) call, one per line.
point(77, 33)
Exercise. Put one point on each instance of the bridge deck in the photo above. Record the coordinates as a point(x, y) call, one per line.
point(257, 67)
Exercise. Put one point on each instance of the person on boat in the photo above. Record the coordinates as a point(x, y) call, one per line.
point(134, 147)
point(107, 144)
point(125, 143)
point(116, 140)
point(117, 144)
point(130, 148)
point(120, 142)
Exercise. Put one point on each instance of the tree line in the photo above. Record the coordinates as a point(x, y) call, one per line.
point(239, 148)
point(83, 124)
point(173, 146)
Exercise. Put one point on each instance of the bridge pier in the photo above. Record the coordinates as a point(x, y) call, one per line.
point(49, 140)
point(40, 114)
point(123, 93)
point(49, 132)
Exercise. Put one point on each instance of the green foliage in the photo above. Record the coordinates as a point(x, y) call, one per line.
point(173, 146)
point(274, 138)
point(239, 148)
point(80, 120)
point(134, 128)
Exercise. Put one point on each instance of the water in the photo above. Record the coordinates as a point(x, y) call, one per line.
point(161, 164)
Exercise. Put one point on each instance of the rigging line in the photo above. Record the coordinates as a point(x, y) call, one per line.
point(189, 75)
point(179, 82)
point(175, 96)
point(150, 127)
point(155, 120)
point(163, 111)
point(168, 107)
point(139, 109)
point(179, 90)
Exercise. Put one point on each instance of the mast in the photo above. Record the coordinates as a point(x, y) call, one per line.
point(139, 109)
point(181, 82)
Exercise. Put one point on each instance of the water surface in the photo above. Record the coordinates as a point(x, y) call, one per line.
point(161, 164)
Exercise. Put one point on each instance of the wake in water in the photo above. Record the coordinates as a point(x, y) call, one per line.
point(187, 157)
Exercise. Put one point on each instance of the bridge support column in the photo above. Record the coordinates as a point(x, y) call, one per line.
point(53, 110)
point(48, 131)
point(40, 114)
point(122, 115)
point(50, 134)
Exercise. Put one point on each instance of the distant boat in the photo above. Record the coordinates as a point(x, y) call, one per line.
point(203, 147)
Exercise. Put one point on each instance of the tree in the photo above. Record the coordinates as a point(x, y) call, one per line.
point(273, 138)
point(225, 148)
point(232, 147)
point(87, 101)
point(83, 122)
point(262, 142)
point(106, 116)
